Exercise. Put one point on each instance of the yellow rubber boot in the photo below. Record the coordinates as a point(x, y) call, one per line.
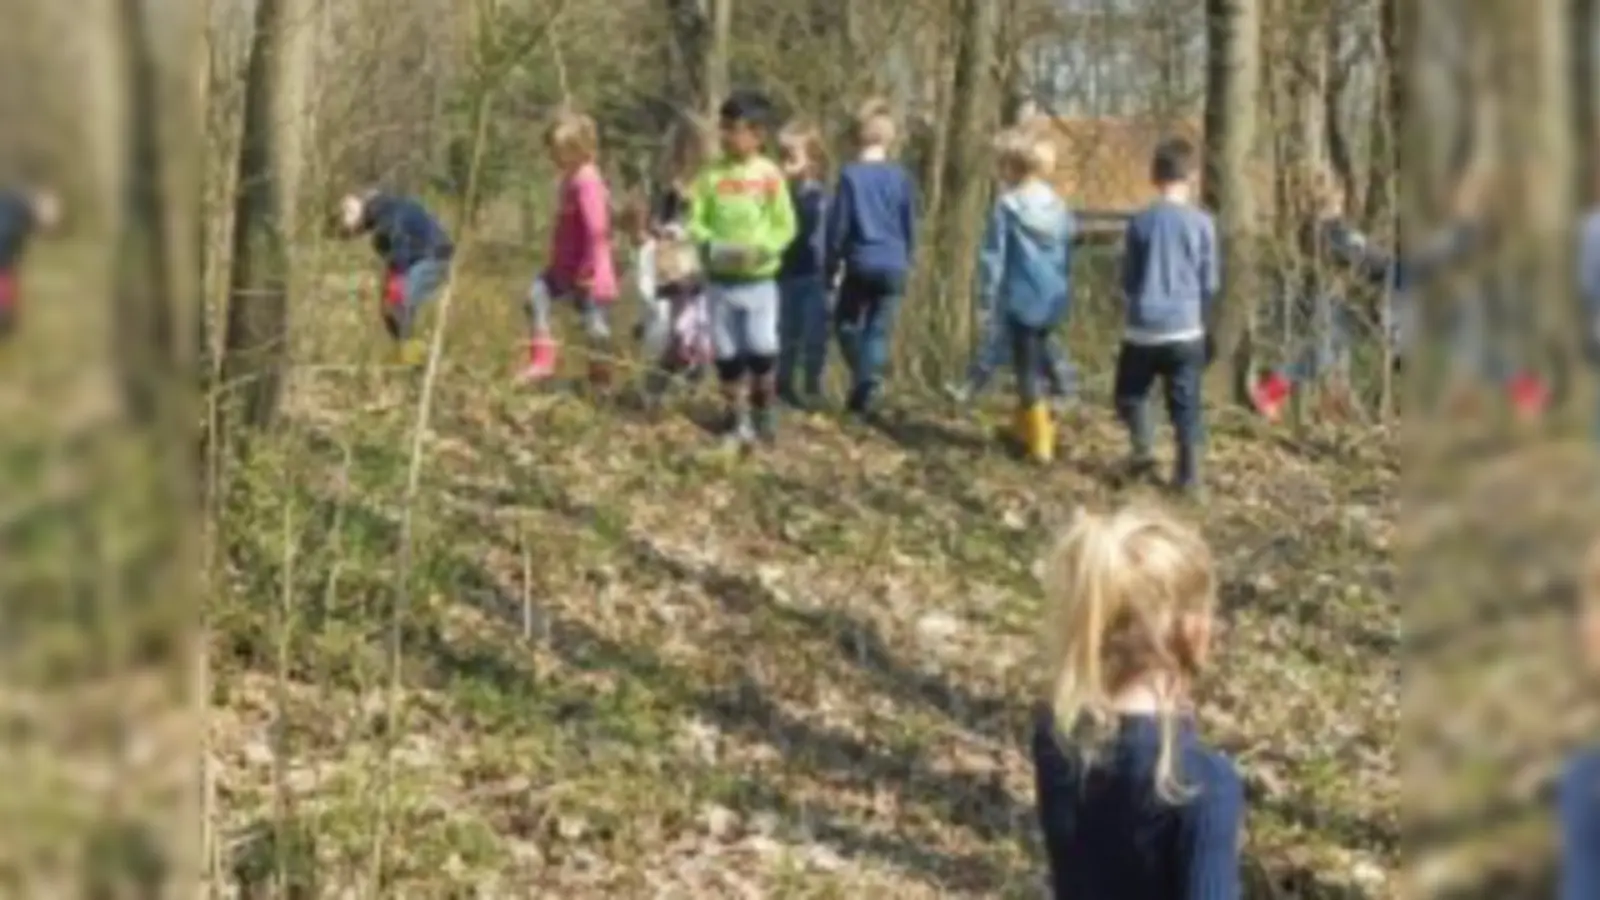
point(1041, 434)
point(413, 353)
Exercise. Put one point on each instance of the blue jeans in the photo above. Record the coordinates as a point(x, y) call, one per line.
point(864, 322)
point(802, 333)
point(997, 350)
point(420, 284)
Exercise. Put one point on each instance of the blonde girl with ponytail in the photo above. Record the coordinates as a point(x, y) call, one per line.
point(1132, 803)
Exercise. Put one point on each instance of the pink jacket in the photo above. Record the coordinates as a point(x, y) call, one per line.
point(580, 245)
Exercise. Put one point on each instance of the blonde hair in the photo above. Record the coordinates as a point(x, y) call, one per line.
point(687, 148)
point(1122, 585)
point(807, 139)
point(573, 132)
point(874, 125)
point(1026, 152)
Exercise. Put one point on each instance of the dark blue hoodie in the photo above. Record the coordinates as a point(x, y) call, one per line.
point(403, 232)
point(17, 224)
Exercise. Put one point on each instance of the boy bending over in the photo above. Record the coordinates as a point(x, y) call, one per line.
point(22, 214)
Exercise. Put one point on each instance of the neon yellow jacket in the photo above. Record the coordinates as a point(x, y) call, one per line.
point(742, 205)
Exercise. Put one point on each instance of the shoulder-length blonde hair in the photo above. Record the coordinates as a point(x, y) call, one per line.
point(573, 132)
point(1121, 586)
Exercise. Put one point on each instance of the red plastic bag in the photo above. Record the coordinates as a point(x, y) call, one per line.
point(1529, 395)
point(394, 289)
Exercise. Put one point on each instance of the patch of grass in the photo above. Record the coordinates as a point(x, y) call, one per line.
point(627, 666)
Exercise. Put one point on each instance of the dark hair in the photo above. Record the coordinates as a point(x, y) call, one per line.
point(1173, 161)
point(749, 107)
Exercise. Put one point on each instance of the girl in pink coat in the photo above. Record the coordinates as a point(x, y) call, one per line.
point(580, 267)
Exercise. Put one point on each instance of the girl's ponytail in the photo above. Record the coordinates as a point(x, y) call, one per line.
point(1123, 585)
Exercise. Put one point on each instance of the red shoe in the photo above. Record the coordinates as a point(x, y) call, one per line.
point(1529, 395)
point(541, 360)
point(1268, 395)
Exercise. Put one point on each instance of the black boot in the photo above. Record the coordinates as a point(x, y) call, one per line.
point(1186, 473)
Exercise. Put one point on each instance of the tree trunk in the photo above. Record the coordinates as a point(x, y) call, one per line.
point(1337, 79)
point(1551, 169)
point(1384, 167)
point(1233, 73)
point(717, 56)
point(146, 342)
point(1582, 31)
point(964, 179)
point(256, 344)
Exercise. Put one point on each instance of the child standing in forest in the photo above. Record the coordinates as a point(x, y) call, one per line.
point(1331, 247)
point(1024, 271)
point(742, 220)
point(23, 213)
point(416, 252)
point(674, 329)
point(803, 318)
point(580, 267)
point(871, 240)
point(1171, 274)
point(1132, 802)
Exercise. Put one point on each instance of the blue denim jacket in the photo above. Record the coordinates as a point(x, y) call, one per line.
point(1025, 265)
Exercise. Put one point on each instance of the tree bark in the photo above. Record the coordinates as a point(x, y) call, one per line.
point(1233, 31)
point(965, 181)
point(1552, 170)
point(1336, 74)
point(1384, 167)
point(146, 342)
point(717, 56)
point(1582, 31)
point(256, 344)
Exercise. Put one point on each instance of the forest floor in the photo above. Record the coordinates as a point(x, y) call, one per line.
point(592, 657)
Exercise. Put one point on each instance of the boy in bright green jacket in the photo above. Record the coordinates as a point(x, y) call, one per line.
point(741, 217)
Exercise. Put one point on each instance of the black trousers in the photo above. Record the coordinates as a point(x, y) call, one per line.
point(1180, 368)
point(1029, 350)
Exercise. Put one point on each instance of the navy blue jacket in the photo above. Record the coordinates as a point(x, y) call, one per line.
point(16, 226)
point(1110, 837)
point(404, 233)
point(807, 255)
point(1579, 800)
point(872, 221)
point(1171, 272)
